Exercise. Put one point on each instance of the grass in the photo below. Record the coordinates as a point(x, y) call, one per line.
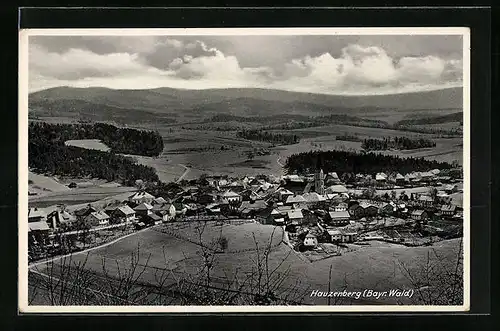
point(366, 267)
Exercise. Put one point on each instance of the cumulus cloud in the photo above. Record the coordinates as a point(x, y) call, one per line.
point(171, 62)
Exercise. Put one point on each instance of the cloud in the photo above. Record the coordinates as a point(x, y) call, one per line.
point(172, 62)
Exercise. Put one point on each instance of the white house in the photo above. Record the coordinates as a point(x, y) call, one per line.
point(310, 240)
point(141, 197)
point(231, 196)
point(98, 218)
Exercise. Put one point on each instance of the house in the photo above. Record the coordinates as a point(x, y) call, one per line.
point(180, 209)
point(369, 209)
point(387, 208)
point(295, 217)
point(279, 221)
point(332, 178)
point(144, 209)
point(336, 189)
point(295, 183)
point(124, 214)
point(85, 212)
point(419, 215)
point(427, 176)
point(349, 236)
point(341, 206)
point(310, 216)
point(335, 235)
point(425, 201)
point(141, 197)
point(59, 218)
point(399, 178)
point(253, 208)
point(36, 215)
point(205, 198)
point(283, 194)
point(151, 219)
point(40, 227)
point(448, 210)
point(158, 201)
point(450, 188)
point(295, 199)
point(356, 211)
point(231, 197)
point(98, 218)
point(310, 241)
point(339, 218)
point(313, 198)
point(381, 177)
point(213, 209)
point(166, 211)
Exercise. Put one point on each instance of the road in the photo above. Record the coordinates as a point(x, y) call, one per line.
point(184, 174)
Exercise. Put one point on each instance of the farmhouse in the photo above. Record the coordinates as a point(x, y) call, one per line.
point(36, 215)
point(369, 209)
point(124, 214)
point(158, 201)
point(339, 218)
point(57, 218)
point(231, 196)
point(85, 212)
point(295, 199)
point(98, 218)
point(381, 177)
point(341, 206)
point(419, 215)
point(253, 208)
point(356, 211)
point(425, 201)
point(144, 209)
point(448, 210)
point(387, 208)
point(283, 194)
point(295, 217)
point(141, 197)
point(335, 235)
point(180, 209)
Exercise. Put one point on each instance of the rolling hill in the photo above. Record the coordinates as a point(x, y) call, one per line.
point(237, 102)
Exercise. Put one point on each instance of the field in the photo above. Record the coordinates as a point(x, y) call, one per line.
point(375, 266)
point(44, 185)
point(88, 144)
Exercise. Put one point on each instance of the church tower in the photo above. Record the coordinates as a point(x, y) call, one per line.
point(319, 179)
point(319, 182)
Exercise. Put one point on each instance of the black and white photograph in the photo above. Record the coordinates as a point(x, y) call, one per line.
point(243, 169)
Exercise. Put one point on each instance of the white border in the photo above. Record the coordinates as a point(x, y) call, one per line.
point(23, 167)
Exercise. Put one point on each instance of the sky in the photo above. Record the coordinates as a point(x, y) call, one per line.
point(328, 64)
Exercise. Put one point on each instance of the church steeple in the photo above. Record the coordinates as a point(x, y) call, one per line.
point(319, 178)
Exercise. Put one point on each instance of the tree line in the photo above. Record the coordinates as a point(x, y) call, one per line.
point(119, 140)
point(346, 161)
point(274, 138)
point(396, 143)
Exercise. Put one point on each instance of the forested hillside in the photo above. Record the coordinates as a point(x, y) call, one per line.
point(342, 162)
point(48, 154)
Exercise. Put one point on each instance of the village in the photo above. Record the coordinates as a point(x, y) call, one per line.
point(322, 214)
